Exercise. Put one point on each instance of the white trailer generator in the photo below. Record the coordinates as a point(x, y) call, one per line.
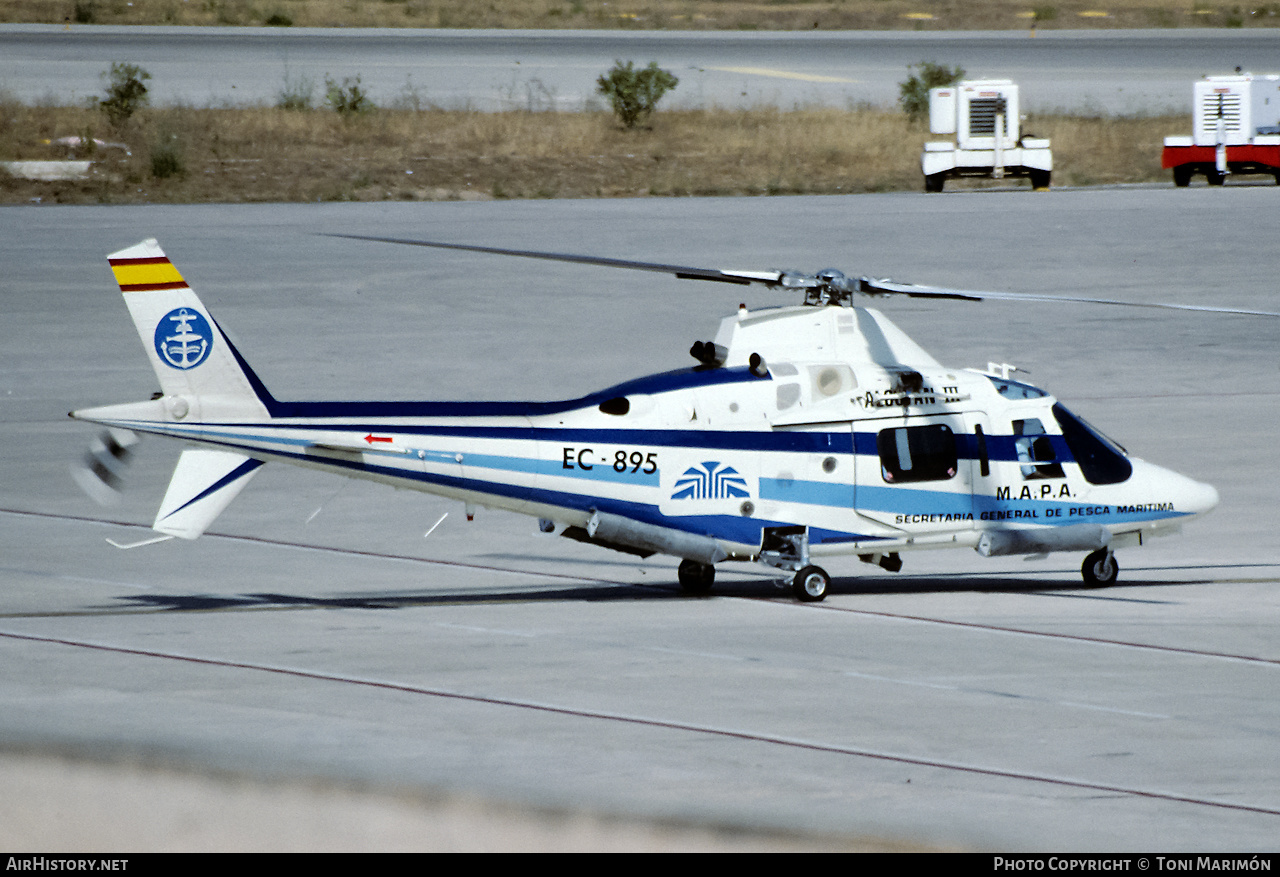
point(1236, 130)
point(983, 114)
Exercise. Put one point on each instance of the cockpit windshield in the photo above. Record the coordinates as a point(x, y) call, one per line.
point(1101, 460)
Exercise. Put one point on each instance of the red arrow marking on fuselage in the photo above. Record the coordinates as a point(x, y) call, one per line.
point(371, 438)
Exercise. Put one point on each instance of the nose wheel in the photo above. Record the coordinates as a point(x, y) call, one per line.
point(787, 548)
point(1100, 569)
point(810, 584)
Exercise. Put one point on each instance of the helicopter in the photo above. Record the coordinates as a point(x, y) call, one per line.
point(801, 432)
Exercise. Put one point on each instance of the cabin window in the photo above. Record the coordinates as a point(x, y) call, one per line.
point(917, 453)
point(1101, 460)
point(1035, 450)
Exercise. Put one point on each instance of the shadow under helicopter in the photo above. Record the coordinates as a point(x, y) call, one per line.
point(667, 589)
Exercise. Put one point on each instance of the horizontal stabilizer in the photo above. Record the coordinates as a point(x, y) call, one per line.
point(204, 483)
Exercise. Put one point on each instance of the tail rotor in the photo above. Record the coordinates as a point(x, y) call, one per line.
point(101, 472)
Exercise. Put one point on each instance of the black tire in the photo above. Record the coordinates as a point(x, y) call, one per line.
point(935, 182)
point(1215, 178)
point(696, 578)
point(1100, 569)
point(1182, 176)
point(1040, 180)
point(810, 584)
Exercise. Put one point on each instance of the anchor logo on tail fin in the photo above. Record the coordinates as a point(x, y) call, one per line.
point(183, 338)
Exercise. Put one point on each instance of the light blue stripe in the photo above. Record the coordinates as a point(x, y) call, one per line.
point(911, 501)
point(808, 492)
point(599, 472)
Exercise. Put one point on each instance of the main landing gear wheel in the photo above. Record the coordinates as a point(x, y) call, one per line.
point(810, 584)
point(696, 578)
point(1100, 569)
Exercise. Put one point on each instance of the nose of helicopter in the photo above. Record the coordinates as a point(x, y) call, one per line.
point(1201, 497)
point(1191, 497)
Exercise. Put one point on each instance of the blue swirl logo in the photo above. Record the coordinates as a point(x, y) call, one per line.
point(710, 481)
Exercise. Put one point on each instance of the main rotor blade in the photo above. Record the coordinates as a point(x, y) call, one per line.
point(885, 286)
point(799, 280)
point(911, 289)
point(768, 278)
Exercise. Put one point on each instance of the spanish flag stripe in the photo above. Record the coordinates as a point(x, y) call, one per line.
point(144, 287)
point(136, 274)
point(143, 260)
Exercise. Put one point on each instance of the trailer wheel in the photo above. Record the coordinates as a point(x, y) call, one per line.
point(935, 182)
point(1216, 178)
point(1182, 176)
point(1040, 180)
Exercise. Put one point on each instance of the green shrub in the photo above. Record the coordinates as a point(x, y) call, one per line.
point(348, 98)
point(126, 91)
point(166, 157)
point(634, 94)
point(913, 94)
point(296, 94)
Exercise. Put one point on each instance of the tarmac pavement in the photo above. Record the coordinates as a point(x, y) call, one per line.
point(315, 639)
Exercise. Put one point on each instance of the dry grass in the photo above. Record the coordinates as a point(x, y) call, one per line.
point(657, 14)
point(272, 154)
point(1109, 149)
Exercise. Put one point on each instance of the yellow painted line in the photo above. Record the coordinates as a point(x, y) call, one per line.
point(1093, 13)
point(781, 74)
point(919, 16)
point(1025, 14)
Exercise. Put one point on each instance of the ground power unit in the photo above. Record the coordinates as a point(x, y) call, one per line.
point(983, 115)
point(1236, 130)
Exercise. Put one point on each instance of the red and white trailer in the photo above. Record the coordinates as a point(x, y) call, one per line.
point(1236, 130)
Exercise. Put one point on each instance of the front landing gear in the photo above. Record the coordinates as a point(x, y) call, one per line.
point(787, 548)
point(1100, 569)
point(810, 584)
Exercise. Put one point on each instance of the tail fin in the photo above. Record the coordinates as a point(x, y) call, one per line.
point(204, 483)
point(203, 379)
point(191, 357)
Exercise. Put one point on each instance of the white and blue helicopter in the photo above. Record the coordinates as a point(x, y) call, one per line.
point(802, 432)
